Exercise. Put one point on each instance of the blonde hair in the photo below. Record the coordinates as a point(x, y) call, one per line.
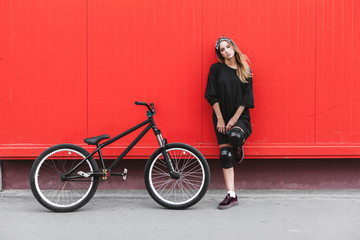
point(243, 69)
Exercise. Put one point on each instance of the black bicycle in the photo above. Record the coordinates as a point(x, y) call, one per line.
point(65, 177)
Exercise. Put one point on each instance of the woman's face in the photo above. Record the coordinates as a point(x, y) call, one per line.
point(226, 50)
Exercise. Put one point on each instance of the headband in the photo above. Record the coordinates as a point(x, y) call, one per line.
point(217, 44)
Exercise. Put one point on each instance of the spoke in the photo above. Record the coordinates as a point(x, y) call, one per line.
point(61, 191)
point(158, 169)
point(184, 190)
point(195, 173)
point(189, 165)
point(161, 184)
point(52, 165)
point(191, 184)
point(49, 176)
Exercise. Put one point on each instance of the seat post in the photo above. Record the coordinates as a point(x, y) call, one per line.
point(100, 155)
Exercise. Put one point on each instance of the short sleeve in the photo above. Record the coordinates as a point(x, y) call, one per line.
point(210, 92)
point(247, 94)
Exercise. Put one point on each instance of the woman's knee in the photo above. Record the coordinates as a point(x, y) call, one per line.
point(236, 136)
point(226, 157)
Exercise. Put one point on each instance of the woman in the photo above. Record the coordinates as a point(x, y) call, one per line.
point(229, 91)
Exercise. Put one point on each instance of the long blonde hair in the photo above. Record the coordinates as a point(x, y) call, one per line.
point(243, 69)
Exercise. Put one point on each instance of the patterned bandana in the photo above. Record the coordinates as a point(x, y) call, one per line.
point(217, 44)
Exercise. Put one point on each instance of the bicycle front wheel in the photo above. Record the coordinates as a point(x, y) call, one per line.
point(189, 188)
point(55, 192)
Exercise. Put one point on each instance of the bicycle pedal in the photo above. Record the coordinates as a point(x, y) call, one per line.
point(125, 174)
point(83, 174)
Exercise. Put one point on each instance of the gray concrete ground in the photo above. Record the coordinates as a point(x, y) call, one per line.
point(264, 215)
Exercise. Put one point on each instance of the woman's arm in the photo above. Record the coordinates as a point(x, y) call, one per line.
point(220, 120)
point(235, 118)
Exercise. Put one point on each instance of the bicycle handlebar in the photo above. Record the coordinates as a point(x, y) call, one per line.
point(151, 109)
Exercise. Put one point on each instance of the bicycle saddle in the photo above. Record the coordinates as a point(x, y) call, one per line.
point(95, 140)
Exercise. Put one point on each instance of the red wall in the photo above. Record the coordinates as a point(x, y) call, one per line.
point(73, 69)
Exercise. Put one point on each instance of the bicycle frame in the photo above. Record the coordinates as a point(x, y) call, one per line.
point(151, 125)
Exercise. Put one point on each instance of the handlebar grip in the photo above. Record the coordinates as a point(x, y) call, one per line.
point(141, 103)
point(152, 107)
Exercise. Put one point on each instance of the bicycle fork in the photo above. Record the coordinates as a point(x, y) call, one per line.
point(162, 143)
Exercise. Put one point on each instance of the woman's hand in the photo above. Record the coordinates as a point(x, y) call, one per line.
point(220, 120)
point(231, 123)
point(221, 125)
point(235, 118)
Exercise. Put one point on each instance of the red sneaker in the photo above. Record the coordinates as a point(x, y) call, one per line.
point(228, 202)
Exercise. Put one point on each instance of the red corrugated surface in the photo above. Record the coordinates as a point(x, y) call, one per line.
point(43, 71)
point(337, 75)
point(73, 69)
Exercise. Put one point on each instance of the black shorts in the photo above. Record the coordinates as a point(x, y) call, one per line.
point(243, 123)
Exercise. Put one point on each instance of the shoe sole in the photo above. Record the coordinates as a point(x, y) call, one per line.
point(228, 206)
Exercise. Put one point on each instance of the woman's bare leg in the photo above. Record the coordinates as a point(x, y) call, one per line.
point(229, 174)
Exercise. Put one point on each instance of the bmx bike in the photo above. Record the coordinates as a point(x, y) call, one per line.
point(65, 177)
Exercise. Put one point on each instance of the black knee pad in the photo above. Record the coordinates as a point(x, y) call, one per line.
point(226, 157)
point(236, 137)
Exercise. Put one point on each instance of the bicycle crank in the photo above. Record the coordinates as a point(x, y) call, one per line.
point(123, 174)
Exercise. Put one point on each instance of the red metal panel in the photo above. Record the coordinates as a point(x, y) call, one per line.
point(43, 73)
point(337, 75)
point(146, 51)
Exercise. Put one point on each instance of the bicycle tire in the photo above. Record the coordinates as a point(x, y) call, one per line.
point(54, 193)
point(189, 188)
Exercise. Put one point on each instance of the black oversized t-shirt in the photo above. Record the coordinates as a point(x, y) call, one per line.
point(225, 87)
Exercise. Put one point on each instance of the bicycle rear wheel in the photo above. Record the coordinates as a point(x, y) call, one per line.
point(189, 188)
point(58, 194)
